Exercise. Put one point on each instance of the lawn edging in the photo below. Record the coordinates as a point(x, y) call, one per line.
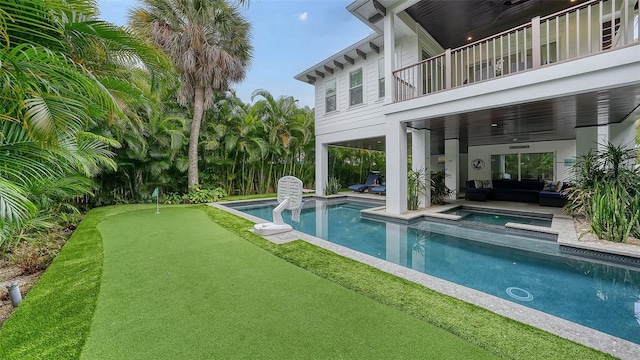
point(500, 335)
point(54, 319)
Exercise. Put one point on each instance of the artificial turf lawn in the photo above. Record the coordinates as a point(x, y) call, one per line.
point(176, 285)
point(500, 335)
point(54, 320)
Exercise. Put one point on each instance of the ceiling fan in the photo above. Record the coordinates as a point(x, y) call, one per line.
point(507, 8)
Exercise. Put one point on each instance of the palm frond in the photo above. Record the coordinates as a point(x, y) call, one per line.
point(14, 205)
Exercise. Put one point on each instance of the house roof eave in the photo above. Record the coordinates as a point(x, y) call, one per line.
point(351, 51)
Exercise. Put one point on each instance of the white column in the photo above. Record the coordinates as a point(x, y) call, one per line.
point(421, 159)
point(389, 57)
point(586, 139)
point(396, 150)
point(602, 138)
point(535, 42)
point(596, 138)
point(322, 167)
point(593, 138)
point(452, 165)
point(623, 133)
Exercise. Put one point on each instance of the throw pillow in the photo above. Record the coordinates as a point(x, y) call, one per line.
point(560, 185)
point(550, 186)
point(478, 184)
point(487, 184)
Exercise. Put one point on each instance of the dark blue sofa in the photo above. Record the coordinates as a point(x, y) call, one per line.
point(553, 198)
point(513, 190)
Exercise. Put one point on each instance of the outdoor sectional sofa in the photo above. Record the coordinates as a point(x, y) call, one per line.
point(512, 190)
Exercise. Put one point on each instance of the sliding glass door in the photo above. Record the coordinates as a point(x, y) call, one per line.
point(527, 166)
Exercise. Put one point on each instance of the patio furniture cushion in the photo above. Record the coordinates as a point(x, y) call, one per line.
point(373, 178)
point(552, 198)
point(552, 186)
point(476, 194)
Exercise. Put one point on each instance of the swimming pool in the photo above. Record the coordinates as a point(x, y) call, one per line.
point(493, 217)
point(534, 273)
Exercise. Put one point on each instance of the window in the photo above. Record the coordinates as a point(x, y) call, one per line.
point(381, 78)
point(609, 32)
point(330, 95)
point(530, 166)
point(355, 87)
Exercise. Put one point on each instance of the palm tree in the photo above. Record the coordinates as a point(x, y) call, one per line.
point(245, 139)
point(276, 116)
point(208, 41)
point(53, 92)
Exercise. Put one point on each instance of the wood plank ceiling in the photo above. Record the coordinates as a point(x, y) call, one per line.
point(451, 23)
point(546, 120)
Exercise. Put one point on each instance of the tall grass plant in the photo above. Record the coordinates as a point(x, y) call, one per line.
point(605, 190)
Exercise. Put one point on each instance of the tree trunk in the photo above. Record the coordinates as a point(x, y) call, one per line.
point(198, 110)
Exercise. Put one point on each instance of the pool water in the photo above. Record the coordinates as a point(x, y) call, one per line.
point(599, 295)
point(492, 218)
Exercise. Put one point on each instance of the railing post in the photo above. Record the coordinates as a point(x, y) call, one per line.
point(535, 42)
point(390, 91)
point(447, 68)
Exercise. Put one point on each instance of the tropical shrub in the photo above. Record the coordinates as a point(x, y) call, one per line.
point(172, 198)
point(199, 196)
point(333, 186)
point(605, 190)
point(612, 219)
point(195, 196)
point(417, 187)
point(586, 172)
point(31, 229)
point(352, 165)
point(439, 190)
point(66, 99)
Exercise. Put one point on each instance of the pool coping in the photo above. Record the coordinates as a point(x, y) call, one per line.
point(610, 344)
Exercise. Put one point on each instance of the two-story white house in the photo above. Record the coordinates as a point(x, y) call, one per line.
point(480, 87)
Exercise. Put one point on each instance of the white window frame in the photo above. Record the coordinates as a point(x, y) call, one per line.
point(326, 96)
point(361, 86)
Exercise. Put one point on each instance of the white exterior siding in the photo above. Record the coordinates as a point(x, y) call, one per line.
point(407, 51)
point(428, 44)
point(370, 76)
point(369, 113)
point(349, 117)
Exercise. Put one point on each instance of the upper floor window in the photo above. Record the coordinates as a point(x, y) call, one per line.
point(381, 78)
point(609, 31)
point(355, 87)
point(330, 95)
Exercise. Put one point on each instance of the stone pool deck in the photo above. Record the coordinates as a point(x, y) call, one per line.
point(562, 224)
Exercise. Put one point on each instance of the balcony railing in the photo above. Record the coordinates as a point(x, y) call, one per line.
point(582, 30)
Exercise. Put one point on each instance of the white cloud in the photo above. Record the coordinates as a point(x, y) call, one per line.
point(303, 16)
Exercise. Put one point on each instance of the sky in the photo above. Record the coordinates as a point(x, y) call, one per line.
point(288, 37)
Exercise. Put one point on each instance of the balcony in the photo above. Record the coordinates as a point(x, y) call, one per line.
point(587, 29)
